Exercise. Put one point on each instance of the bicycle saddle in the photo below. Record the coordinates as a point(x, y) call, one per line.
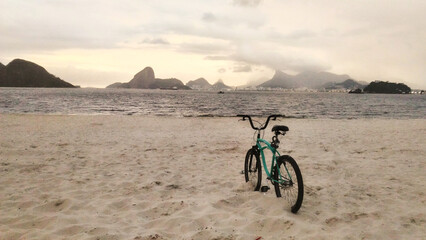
point(280, 128)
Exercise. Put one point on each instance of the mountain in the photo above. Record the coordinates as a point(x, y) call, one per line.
point(2, 71)
point(145, 79)
point(199, 84)
point(22, 73)
point(115, 85)
point(202, 84)
point(387, 87)
point(170, 83)
point(347, 84)
point(280, 80)
point(317, 79)
point(302, 80)
point(219, 85)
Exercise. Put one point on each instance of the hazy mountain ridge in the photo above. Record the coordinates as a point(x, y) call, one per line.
point(280, 80)
point(220, 85)
point(22, 73)
point(311, 80)
point(347, 84)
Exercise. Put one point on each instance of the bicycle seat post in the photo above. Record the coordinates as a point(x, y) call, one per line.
point(275, 141)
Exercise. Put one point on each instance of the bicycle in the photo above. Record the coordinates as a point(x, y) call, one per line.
point(285, 174)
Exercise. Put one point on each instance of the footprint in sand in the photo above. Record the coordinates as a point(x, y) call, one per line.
point(54, 206)
point(232, 202)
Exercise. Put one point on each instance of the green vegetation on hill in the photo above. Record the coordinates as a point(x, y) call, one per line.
point(387, 87)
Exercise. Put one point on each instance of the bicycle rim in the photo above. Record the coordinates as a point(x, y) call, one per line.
point(252, 170)
point(289, 183)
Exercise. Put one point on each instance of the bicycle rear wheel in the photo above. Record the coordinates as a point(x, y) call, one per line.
point(252, 169)
point(290, 182)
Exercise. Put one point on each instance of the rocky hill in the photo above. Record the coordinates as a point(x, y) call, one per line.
point(199, 84)
point(145, 79)
point(202, 84)
point(22, 73)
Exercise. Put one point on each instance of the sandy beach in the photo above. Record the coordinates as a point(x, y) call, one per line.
point(136, 177)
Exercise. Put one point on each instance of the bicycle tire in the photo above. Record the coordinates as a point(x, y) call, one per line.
point(291, 190)
point(252, 169)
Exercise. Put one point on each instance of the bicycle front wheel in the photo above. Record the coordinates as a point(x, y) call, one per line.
point(288, 182)
point(252, 169)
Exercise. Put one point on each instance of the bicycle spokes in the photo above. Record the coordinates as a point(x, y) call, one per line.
point(252, 169)
point(289, 184)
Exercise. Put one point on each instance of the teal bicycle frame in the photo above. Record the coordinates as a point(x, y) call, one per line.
point(274, 152)
point(262, 154)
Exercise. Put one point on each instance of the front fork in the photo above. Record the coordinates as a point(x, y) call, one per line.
point(255, 151)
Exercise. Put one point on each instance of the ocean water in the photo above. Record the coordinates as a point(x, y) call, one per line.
point(201, 104)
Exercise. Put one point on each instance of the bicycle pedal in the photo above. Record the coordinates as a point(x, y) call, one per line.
point(264, 188)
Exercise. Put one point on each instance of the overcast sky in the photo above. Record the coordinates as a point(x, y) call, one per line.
point(95, 43)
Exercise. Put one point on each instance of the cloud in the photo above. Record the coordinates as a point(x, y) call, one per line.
point(204, 48)
point(66, 24)
point(221, 70)
point(156, 41)
point(383, 38)
point(208, 17)
point(217, 58)
point(287, 59)
point(247, 3)
point(242, 68)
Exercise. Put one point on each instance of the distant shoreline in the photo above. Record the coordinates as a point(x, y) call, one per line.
point(414, 91)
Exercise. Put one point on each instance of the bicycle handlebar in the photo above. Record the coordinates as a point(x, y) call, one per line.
point(273, 117)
